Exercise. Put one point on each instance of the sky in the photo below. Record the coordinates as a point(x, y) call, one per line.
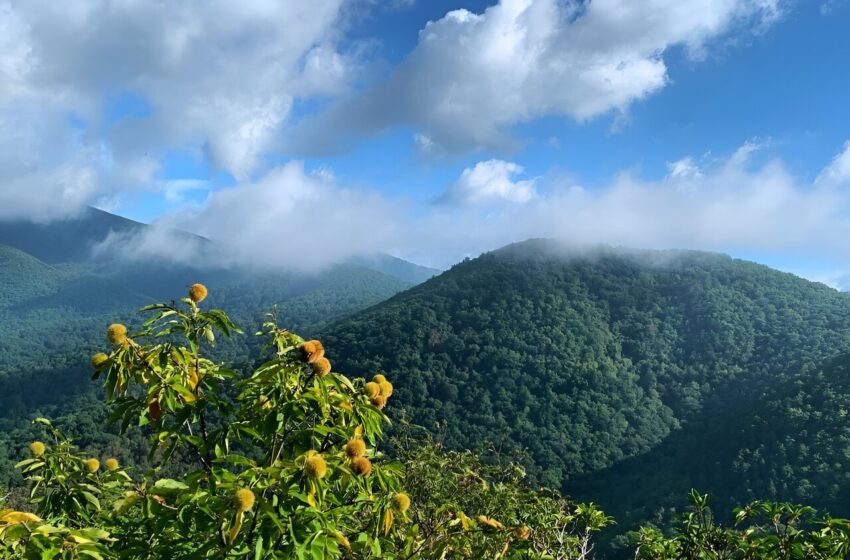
point(436, 129)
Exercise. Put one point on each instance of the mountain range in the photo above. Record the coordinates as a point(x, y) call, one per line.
point(620, 376)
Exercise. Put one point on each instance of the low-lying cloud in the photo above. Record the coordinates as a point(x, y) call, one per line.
point(296, 219)
point(287, 219)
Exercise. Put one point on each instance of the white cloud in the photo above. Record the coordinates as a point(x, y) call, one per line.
point(472, 76)
point(728, 205)
point(288, 218)
point(488, 181)
point(294, 219)
point(684, 167)
point(838, 171)
point(219, 76)
point(175, 189)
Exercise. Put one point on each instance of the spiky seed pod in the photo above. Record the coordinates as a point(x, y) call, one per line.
point(111, 464)
point(379, 401)
point(37, 448)
point(361, 466)
point(401, 501)
point(92, 465)
point(355, 448)
point(99, 360)
point(372, 389)
point(311, 351)
point(522, 533)
point(315, 466)
point(198, 292)
point(386, 388)
point(116, 333)
point(322, 366)
point(243, 500)
point(379, 378)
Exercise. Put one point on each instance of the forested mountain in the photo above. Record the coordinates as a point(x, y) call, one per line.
point(63, 241)
point(783, 438)
point(628, 377)
point(587, 358)
point(56, 298)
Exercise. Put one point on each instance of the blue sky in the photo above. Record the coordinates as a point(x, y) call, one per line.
point(721, 125)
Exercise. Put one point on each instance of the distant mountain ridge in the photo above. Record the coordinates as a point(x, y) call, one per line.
point(76, 240)
point(394, 266)
point(63, 241)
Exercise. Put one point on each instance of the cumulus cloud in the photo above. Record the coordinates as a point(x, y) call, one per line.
point(684, 167)
point(490, 180)
point(472, 75)
point(222, 78)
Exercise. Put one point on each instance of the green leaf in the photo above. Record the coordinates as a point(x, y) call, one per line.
point(258, 548)
point(166, 485)
point(91, 498)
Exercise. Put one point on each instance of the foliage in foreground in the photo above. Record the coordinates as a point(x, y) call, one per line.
point(764, 531)
point(286, 466)
point(475, 509)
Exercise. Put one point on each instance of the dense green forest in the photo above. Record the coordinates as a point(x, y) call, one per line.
point(781, 439)
point(629, 377)
point(282, 460)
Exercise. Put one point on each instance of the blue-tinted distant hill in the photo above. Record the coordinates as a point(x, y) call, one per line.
point(65, 241)
point(74, 240)
point(396, 267)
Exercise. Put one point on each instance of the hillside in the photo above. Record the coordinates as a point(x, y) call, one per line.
point(55, 302)
point(68, 240)
point(588, 358)
point(784, 439)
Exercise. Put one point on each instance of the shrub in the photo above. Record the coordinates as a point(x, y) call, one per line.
point(271, 477)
